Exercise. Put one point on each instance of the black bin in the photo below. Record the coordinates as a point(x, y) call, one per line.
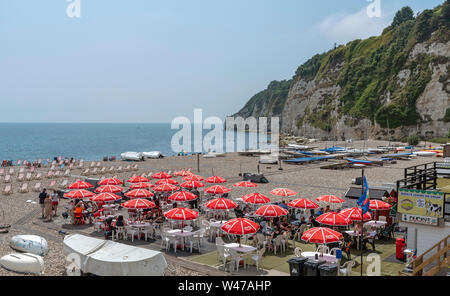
point(328, 270)
point(296, 265)
point(311, 267)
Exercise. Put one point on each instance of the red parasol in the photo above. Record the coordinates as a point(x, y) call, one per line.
point(217, 189)
point(110, 181)
point(138, 179)
point(303, 203)
point(80, 185)
point(284, 192)
point(379, 205)
point(271, 211)
point(141, 185)
point(161, 175)
point(192, 184)
point(330, 199)
point(221, 204)
point(80, 193)
point(255, 198)
point(321, 235)
point(166, 188)
point(245, 184)
point(354, 214)
point(215, 180)
point(182, 214)
point(182, 196)
point(139, 193)
point(108, 188)
point(138, 203)
point(106, 196)
point(334, 219)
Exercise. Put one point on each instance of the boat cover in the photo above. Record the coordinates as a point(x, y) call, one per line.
point(108, 258)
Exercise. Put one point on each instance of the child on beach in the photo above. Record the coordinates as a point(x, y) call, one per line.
point(55, 202)
point(48, 208)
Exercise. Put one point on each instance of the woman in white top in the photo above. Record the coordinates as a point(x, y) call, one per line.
point(55, 202)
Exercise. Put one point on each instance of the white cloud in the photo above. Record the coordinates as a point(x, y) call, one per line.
point(344, 27)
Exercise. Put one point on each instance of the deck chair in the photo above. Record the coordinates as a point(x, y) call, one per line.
point(80, 165)
point(2, 172)
point(52, 184)
point(63, 184)
point(19, 162)
point(57, 174)
point(37, 187)
point(135, 167)
point(21, 170)
point(28, 177)
point(38, 176)
point(85, 172)
point(111, 169)
point(94, 171)
point(49, 174)
point(67, 173)
point(119, 169)
point(21, 178)
point(103, 170)
point(24, 188)
point(92, 165)
point(7, 179)
point(32, 169)
point(11, 171)
point(127, 168)
point(7, 190)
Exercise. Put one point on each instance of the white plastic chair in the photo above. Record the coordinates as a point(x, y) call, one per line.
point(382, 218)
point(258, 257)
point(119, 230)
point(224, 255)
point(131, 231)
point(298, 252)
point(346, 268)
point(323, 249)
point(147, 231)
point(165, 239)
point(236, 258)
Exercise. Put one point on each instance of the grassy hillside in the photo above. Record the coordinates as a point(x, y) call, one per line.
point(368, 73)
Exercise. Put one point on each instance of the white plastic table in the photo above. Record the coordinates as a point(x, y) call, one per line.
point(241, 249)
point(182, 235)
point(377, 224)
point(326, 257)
point(352, 233)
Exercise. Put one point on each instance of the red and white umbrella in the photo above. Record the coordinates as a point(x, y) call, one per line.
point(138, 179)
point(110, 181)
point(303, 203)
point(139, 193)
point(142, 185)
point(221, 204)
point(182, 173)
point(271, 211)
point(283, 192)
point(330, 199)
point(108, 188)
point(80, 185)
point(217, 189)
point(106, 196)
point(166, 181)
point(165, 188)
point(161, 175)
point(182, 196)
point(354, 214)
point(245, 184)
point(321, 235)
point(255, 198)
point(240, 226)
point(192, 184)
point(215, 180)
point(79, 193)
point(193, 178)
point(138, 203)
point(181, 214)
point(379, 205)
point(334, 219)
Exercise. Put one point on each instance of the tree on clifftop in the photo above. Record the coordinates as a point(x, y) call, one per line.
point(403, 15)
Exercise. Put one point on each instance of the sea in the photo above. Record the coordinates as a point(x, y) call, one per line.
point(91, 141)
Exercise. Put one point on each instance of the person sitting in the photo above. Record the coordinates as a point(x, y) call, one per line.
point(327, 209)
point(78, 214)
point(313, 221)
point(358, 228)
point(320, 212)
point(370, 238)
point(238, 212)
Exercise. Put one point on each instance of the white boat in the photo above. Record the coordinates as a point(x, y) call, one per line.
point(108, 258)
point(134, 156)
point(214, 154)
point(23, 262)
point(153, 154)
point(424, 153)
point(298, 147)
point(30, 244)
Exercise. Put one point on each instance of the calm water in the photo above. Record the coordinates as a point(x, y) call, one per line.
point(89, 141)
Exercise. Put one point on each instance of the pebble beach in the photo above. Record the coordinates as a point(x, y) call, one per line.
point(22, 210)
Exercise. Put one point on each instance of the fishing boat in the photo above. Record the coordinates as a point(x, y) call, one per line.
point(23, 262)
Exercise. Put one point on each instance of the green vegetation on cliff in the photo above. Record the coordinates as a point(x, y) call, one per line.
point(368, 74)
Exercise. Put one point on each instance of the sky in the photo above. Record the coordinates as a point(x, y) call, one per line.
point(151, 61)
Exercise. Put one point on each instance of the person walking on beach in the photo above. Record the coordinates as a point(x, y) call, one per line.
point(48, 208)
point(55, 202)
point(42, 197)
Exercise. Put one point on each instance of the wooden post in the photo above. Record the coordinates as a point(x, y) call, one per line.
point(362, 226)
point(198, 162)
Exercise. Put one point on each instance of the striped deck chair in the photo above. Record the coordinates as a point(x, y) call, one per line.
point(11, 171)
point(135, 167)
point(32, 169)
point(64, 184)
point(103, 170)
point(7, 190)
point(19, 162)
point(21, 170)
point(37, 187)
point(28, 177)
point(7, 179)
point(85, 172)
point(67, 173)
point(24, 188)
point(98, 164)
point(119, 169)
point(38, 176)
point(111, 169)
point(49, 174)
point(21, 177)
point(52, 184)
point(2, 171)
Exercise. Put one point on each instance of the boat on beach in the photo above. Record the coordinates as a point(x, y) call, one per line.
point(23, 263)
point(132, 156)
